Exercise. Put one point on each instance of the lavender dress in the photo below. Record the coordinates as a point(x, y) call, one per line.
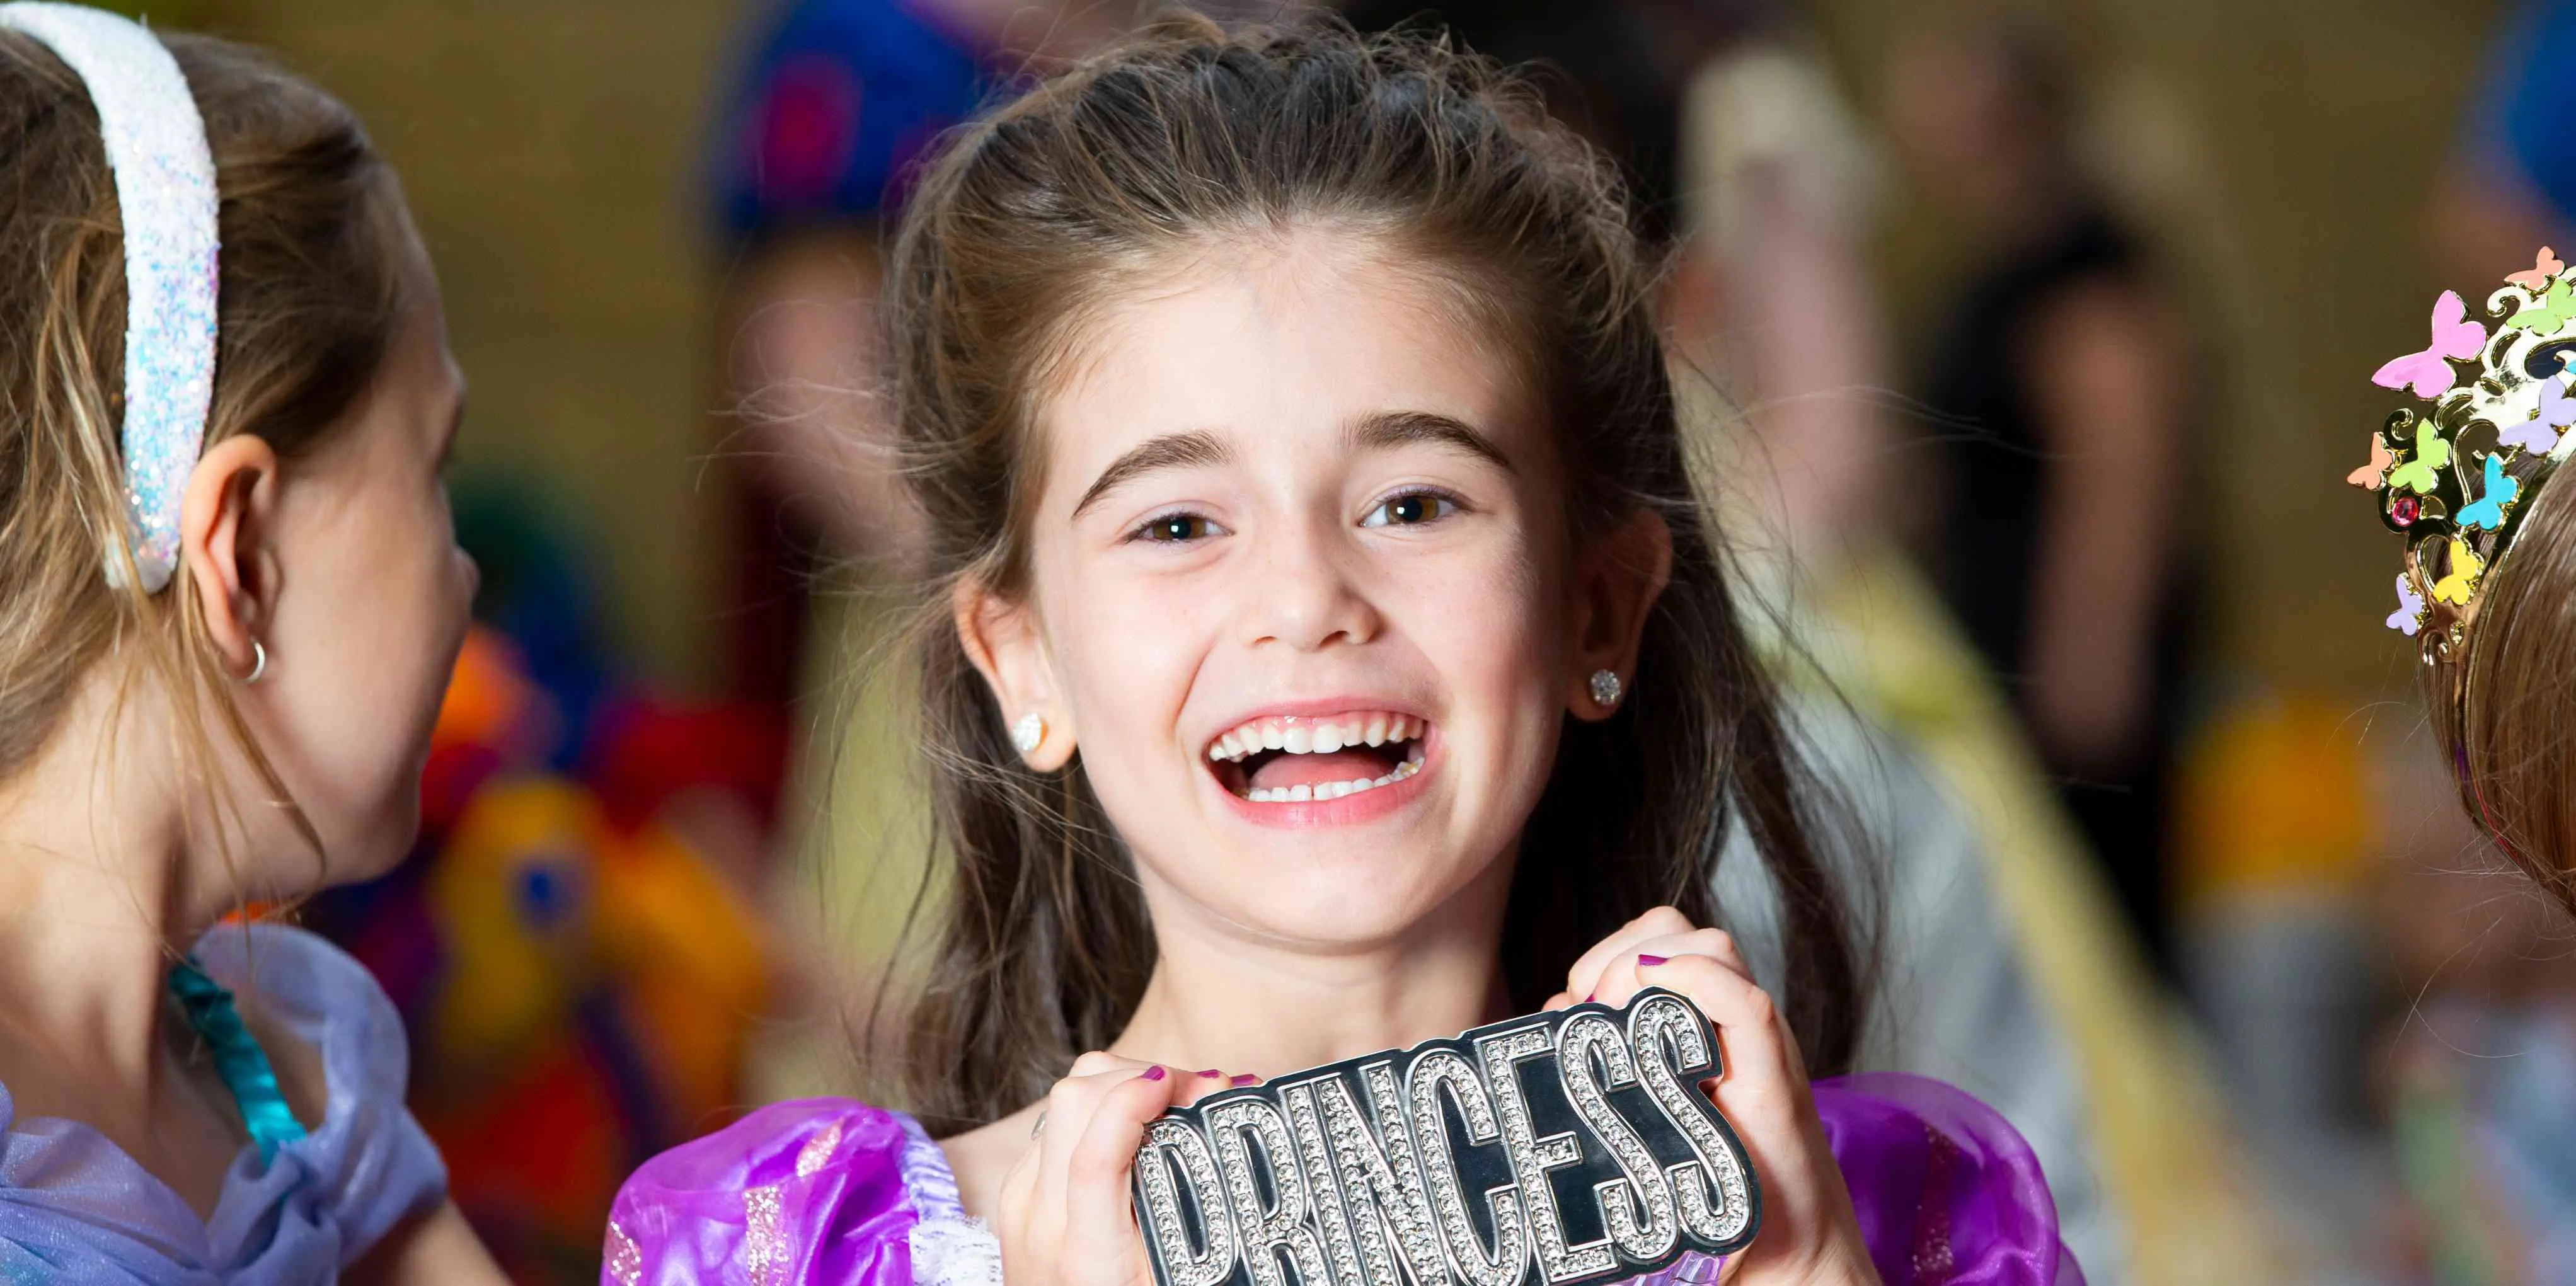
point(76, 1210)
point(836, 1193)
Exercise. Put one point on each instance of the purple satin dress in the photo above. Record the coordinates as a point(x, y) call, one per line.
point(837, 1193)
point(75, 1210)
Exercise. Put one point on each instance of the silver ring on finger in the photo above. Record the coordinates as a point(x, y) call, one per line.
point(1040, 1127)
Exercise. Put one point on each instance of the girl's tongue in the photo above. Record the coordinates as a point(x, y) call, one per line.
point(1353, 763)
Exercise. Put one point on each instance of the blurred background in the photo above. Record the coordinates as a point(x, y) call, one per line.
point(2027, 345)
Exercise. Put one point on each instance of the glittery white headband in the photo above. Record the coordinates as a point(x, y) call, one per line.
point(165, 188)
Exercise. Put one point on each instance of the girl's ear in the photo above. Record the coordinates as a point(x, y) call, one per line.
point(227, 539)
point(1616, 583)
point(1003, 641)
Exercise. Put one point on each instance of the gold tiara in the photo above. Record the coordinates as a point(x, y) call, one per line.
point(2454, 479)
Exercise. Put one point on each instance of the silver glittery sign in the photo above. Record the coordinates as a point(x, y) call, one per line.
point(1559, 1149)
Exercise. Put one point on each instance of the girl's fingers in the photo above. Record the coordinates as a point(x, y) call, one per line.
point(1764, 1092)
point(1584, 979)
point(1620, 980)
point(1011, 1216)
point(1762, 1087)
point(1762, 1083)
point(1760, 1068)
point(1098, 1061)
point(1189, 1088)
point(1100, 1217)
point(1069, 1109)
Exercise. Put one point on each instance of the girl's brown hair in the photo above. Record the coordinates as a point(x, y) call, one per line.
point(1189, 136)
point(2504, 707)
point(314, 246)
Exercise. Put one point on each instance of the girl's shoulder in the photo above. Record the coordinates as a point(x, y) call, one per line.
point(823, 1189)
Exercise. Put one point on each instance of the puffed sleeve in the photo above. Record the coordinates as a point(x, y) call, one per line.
point(823, 1190)
point(368, 1167)
point(1948, 1192)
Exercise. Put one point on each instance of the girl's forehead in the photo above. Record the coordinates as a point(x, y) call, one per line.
point(1285, 347)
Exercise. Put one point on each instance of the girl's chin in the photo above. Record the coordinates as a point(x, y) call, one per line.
point(1338, 902)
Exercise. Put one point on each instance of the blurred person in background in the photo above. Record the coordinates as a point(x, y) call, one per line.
point(819, 135)
point(814, 151)
point(2052, 385)
point(2009, 964)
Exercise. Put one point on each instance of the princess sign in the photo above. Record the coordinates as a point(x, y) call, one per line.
point(1566, 1147)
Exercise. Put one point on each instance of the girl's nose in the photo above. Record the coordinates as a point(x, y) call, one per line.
point(1305, 595)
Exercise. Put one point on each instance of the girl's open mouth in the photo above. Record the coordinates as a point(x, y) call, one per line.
point(1296, 759)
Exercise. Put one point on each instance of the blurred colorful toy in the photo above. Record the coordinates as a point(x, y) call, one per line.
point(574, 947)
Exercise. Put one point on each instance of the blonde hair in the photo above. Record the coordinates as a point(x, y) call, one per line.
point(314, 239)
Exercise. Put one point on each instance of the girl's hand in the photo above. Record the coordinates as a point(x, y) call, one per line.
point(1065, 1217)
point(1809, 1233)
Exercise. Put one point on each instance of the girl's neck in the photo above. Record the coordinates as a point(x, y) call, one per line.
point(95, 896)
point(1219, 1001)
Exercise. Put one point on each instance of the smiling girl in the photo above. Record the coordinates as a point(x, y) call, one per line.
point(1330, 656)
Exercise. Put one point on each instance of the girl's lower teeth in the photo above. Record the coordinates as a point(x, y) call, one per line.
point(1332, 789)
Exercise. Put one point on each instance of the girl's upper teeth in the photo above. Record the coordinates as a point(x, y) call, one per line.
point(1304, 734)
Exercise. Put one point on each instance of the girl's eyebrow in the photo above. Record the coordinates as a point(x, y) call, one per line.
point(1194, 449)
point(1384, 429)
point(1378, 430)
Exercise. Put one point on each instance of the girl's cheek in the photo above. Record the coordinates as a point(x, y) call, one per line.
point(1145, 646)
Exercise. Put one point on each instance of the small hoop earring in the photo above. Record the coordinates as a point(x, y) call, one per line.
point(258, 662)
point(1606, 689)
point(1029, 733)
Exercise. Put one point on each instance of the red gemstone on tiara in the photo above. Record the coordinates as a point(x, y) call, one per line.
point(2404, 510)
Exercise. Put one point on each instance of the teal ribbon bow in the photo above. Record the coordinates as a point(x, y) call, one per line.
point(238, 1058)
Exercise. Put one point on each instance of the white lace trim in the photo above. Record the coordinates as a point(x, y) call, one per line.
point(955, 1252)
point(949, 1247)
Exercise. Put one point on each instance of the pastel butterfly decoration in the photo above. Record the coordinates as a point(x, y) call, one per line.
point(2374, 474)
point(2454, 335)
point(2550, 314)
point(2540, 434)
point(2423, 473)
point(2537, 277)
point(2488, 512)
point(2456, 587)
point(2409, 616)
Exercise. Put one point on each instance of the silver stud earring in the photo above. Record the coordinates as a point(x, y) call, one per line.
point(1029, 733)
point(1605, 689)
point(258, 662)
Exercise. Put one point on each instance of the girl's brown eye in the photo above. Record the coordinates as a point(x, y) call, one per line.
point(1176, 527)
point(1411, 509)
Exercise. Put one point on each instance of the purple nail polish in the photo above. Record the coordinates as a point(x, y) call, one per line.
point(1245, 1079)
point(1154, 1073)
point(1588, 999)
point(1644, 960)
point(1211, 1073)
